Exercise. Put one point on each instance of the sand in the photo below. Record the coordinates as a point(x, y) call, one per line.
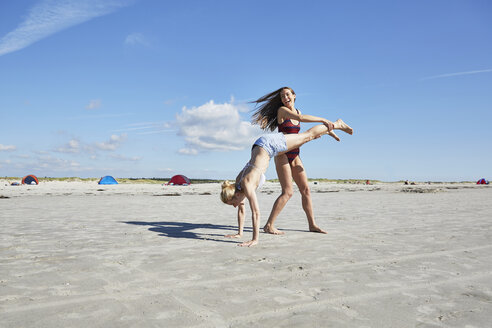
point(76, 254)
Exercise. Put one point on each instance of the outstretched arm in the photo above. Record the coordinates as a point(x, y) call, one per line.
point(285, 112)
point(240, 222)
point(255, 216)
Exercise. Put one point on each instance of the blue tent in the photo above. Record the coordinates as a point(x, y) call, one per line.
point(107, 180)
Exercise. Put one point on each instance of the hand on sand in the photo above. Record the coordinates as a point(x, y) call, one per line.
point(273, 231)
point(249, 243)
point(237, 235)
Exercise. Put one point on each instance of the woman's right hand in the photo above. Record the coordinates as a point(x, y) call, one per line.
point(329, 125)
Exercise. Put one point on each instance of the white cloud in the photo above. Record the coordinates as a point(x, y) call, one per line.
point(188, 151)
point(457, 74)
point(73, 147)
point(23, 156)
point(94, 117)
point(54, 164)
point(93, 104)
point(135, 39)
point(113, 143)
point(46, 164)
point(125, 158)
point(7, 147)
point(215, 127)
point(147, 128)
point(2, 163)
point(51, 16)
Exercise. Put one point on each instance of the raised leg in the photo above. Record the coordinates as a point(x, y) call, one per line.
point(297, 140)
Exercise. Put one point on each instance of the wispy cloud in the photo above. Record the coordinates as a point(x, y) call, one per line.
point(136, 39)
point(215, 127)
point(113, 143)
point(125, 158)
point(100, 116)
point(147, 128)
point(93, 104)
point(457, 74)
point(166, 169)
point(5, 162)
point(55, 164)
point(74, 146)
point(7, 147)
point(51, 16)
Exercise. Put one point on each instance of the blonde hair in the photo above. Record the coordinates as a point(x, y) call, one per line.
point(228, 190)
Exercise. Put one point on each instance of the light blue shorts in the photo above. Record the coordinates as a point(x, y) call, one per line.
point(273, 143)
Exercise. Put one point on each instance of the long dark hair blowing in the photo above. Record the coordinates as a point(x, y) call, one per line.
point(266, 115)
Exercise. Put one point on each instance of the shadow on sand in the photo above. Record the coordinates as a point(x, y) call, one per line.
point(186, 230)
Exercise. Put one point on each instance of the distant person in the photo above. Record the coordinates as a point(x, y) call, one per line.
point(277, 111)
point(252, 175)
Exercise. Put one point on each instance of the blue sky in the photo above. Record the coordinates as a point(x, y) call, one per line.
point(150, 88)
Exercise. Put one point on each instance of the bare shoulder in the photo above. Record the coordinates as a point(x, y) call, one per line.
point(286, 113)
point(283, 109)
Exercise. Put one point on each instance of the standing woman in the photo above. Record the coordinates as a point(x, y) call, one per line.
point(277, 111)
point(252, 175)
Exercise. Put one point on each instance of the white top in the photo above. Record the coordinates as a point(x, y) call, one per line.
point(262, 177)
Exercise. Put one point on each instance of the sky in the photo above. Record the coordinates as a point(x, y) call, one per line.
point(151, 88)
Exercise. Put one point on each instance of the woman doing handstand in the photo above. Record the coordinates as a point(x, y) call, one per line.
point(252, 174)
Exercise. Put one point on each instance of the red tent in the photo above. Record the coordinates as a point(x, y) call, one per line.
point(29, 179)
point(179, 180)
point(482, 181)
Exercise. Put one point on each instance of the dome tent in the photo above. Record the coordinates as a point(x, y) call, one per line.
point(107, 180)
point(30, 179)
point(179, 180)
point(482, 181)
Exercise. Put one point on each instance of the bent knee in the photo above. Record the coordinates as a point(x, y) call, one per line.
point(305, 191)
point(287, 193)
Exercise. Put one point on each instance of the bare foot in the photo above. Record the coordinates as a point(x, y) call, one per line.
point(249, 243)
point(333, 134)
point(316, 229)
point(237, 235)
point(273, 231)
point(341, 125)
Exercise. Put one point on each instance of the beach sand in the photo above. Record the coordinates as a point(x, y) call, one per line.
point(77, 254)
